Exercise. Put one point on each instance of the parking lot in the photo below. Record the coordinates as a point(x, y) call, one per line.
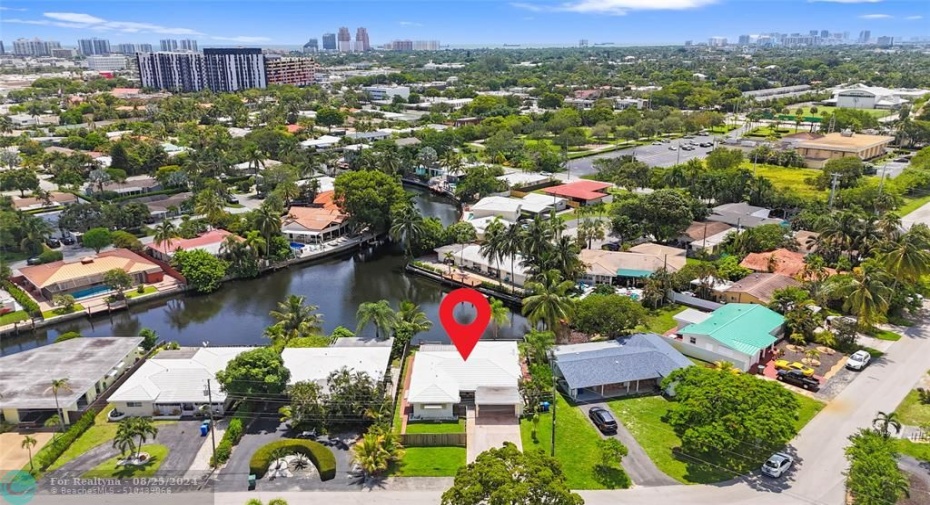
point(655, 155)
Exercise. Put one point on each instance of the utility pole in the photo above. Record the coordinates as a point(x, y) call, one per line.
point(554, 401)
point(212, 423)
point(833, 185)
point(881, 183)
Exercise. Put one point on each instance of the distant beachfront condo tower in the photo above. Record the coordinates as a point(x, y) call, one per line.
point(329, 41)
point(168, 45)
point(172, 71)
point(233, 69)
point(361, 40)
point(189, 45)
point(94, 46)
point(311, 46)
point(345, 40)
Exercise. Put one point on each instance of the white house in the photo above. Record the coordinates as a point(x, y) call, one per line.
point(489, 380)
point(322, 143)
point(174, 383)
point(504, 207)
point(314, 364)
point(743, 334)
point(469, 257)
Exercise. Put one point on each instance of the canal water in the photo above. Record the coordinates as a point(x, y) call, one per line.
point(237, 314)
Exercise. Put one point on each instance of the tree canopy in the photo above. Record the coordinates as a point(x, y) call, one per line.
point(258, 372)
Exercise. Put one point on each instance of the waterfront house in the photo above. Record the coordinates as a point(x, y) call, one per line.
point(211, 241)
point(618, 267)
point(91, 365)
point(741, 333)
point(173, 383)
point(468, 257)
point(315, 364)
point(582, 192)
point(488, 380)
point(84, 277)
point(626, 365)
point(320, 223)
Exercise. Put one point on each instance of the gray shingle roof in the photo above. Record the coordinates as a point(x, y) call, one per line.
point(637, 357)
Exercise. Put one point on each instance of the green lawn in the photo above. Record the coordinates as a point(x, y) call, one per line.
point(661, 320)
point(575, 447)
point(146, 291)
point(821, 109)
point(109, 468)
point(883, 334)
point(444, 427)
point(102, 432)
point(789, 179)
point(912, 203)
point(643, 418)
point(912, 412)
point(13, 317)
point(48, 314)
point(430, 462)
point(771, 131)
point(913, 449)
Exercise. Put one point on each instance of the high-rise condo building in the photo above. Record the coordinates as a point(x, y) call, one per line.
point(189, 45)
point(865, 36)
point(344, 40)
point(402, 45)
point(172, 71)
point(329, 41)
point(94, 46)
point(361, 40)
point(168, 45)
point(145, 48)
point(34, 47)
point(233, 69)
point(311, 46)
point(127, 49)
point(295, 71)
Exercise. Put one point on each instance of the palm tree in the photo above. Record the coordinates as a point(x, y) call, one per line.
point(268, 222)
point(592, 229)
point(410, 315)
point(34, 231)
point(866, 293)
point(376, 451)
point(908, 260)
point(500, 315)
point(407, 227)
point(60, 385)
point(448, 257)
point(548, 301)
point(210, 205)
point(512, 245)
point(378, 314)
point(125, 438)
point(143, 428)
point(164, 232)
point(295, 318)
point(885, 422)
point(28, 443)
point(493, 245)
point(256, 158)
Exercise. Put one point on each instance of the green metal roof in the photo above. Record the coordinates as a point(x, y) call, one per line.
point(744, 327)
point(628, 272)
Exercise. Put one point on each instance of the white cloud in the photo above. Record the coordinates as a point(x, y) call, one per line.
point(614, 7)
point(876, 16)
point(2, 8)
point(409, 23)
point(847, 1)
point(913, 18)
point(243, 38)
point(88, 22)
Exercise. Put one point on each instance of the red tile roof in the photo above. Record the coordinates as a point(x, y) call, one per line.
point(580, 190)
point(209, 238)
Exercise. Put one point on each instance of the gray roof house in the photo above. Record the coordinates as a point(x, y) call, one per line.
point(627, 365)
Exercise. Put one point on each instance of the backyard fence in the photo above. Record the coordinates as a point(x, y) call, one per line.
point(693, 301)
point(433, 439)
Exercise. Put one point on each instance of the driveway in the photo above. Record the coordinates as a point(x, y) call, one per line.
point(641, 469)
point(12, 455)
point(488, 432)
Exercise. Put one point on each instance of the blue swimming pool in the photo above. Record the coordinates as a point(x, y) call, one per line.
point(297, 245)
point(89, 292)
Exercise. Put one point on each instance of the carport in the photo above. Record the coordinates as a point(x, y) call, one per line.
point(498, 401)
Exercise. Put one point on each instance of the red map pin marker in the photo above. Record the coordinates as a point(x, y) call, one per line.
point(465, 336)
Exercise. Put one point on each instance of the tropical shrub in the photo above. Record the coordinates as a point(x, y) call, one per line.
point(321, 457)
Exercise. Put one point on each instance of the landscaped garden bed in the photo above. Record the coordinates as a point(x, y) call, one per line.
point(121, 467)
point(821, 359)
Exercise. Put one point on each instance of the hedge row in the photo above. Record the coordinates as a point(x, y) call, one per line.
point(51, 452)
point(29, 305)
point(321, 457)
point(230, 438)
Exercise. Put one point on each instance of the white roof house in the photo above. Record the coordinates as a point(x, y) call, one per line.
point(535, 203)
point(324, 142)
point(469, 256)
point(440, 378)
point(506, 208)
point(314, 364)
point(172, 379)
point(518, 179)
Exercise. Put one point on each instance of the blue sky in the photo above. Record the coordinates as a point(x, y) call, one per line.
point(460, 22)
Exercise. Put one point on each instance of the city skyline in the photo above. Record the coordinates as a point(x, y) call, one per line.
point(624, 22)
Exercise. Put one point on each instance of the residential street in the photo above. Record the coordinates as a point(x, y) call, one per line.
point(921, 215)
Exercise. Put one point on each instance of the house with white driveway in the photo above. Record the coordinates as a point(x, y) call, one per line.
point(488, 380)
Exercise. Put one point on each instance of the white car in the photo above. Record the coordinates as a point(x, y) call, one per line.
point(858, 360)
point(777, 465)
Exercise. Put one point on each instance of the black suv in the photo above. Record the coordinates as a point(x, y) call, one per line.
point(797, 378)
point(53, 242)
point(603, 419)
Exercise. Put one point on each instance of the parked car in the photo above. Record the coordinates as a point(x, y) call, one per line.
point(902, 160)
point(611, 246)
point(53, 242)
point(797, 378)
point(777, 465)
point(68, 240)
point(858, 360)
point(231, 199)
point(34, 261)
point(706, 144)
point(657, 143)
point(672, 148)
point(783, 364)
point(603, 419)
